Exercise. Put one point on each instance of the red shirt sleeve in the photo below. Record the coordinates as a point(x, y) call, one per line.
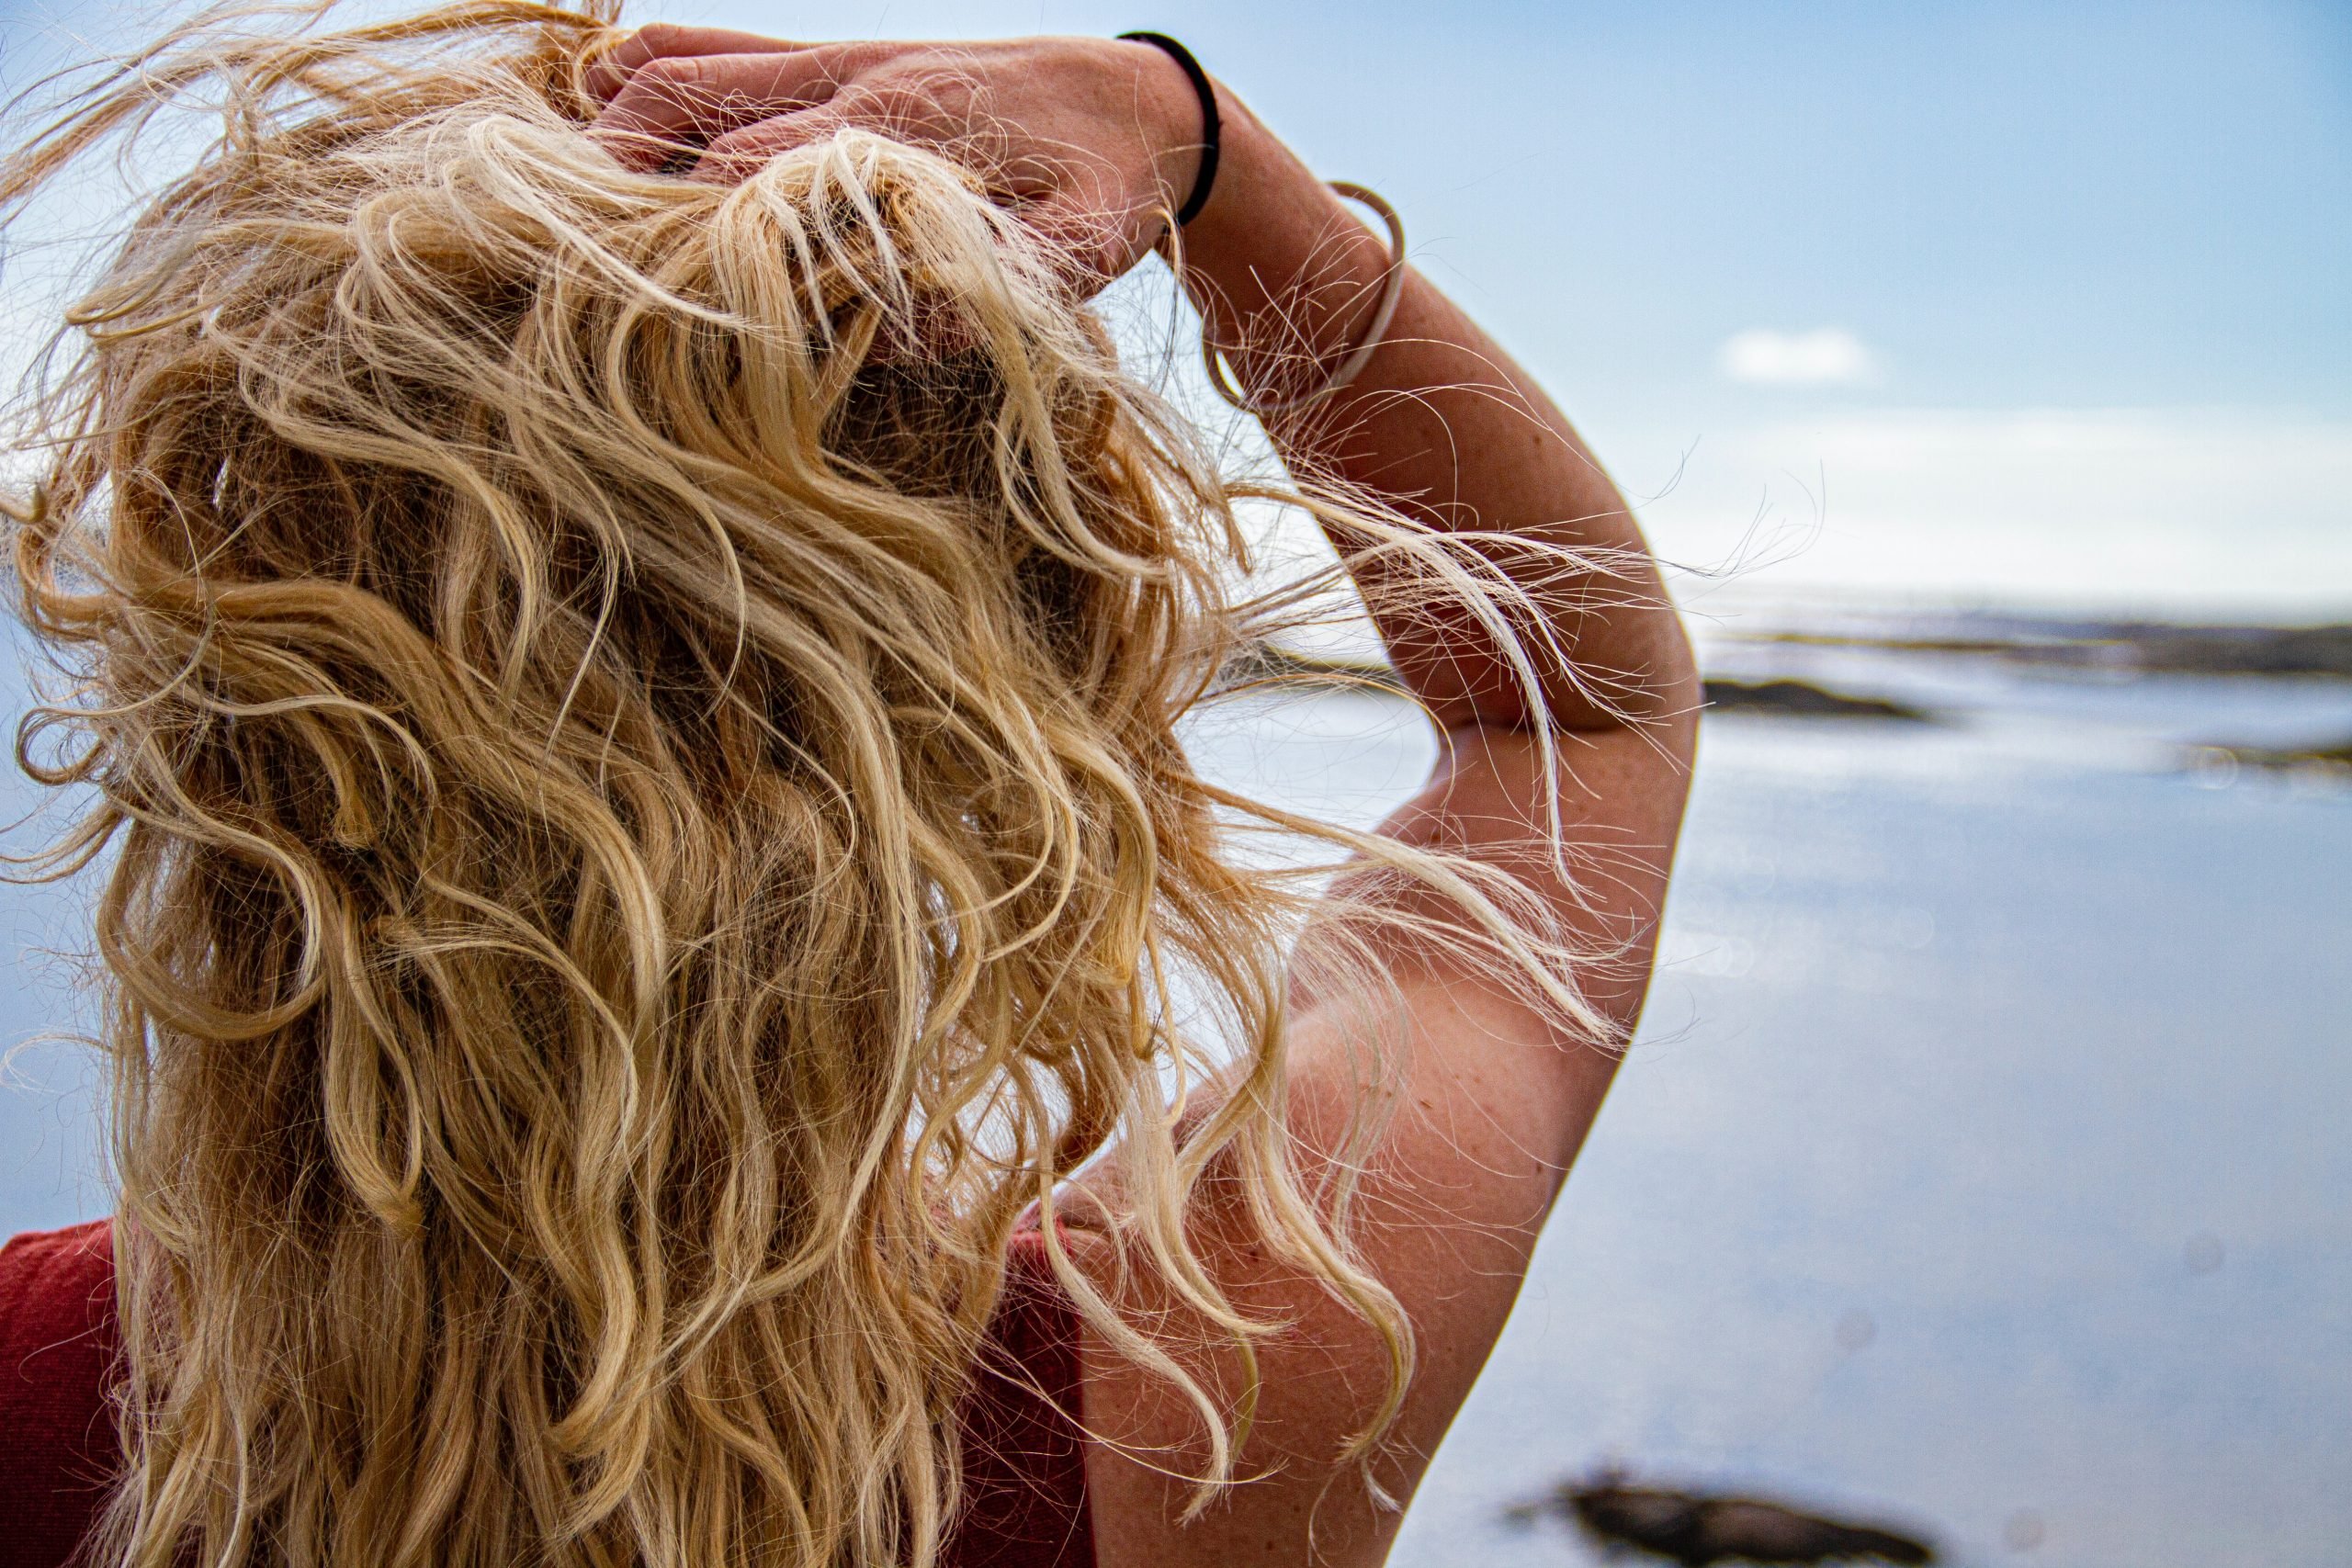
point(1025, 1451)
point(1024, 1457)
point(58, 1453)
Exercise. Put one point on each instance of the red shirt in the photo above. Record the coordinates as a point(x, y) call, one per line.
point(1025, 1469)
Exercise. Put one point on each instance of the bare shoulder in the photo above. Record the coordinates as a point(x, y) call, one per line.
point(1487, 1100)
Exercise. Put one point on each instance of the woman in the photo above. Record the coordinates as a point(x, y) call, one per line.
point(674, 996)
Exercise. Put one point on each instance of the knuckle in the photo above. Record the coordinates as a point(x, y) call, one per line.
point(852, 59)
point(864, 102)
point(673, 68)
point(680, 81)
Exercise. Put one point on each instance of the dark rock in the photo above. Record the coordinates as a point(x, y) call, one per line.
point(1267, 663)
point(1802, 699)
point(2290, 755)
point(2235, 650)
point(2321, 758)
point(1697, 1528)
point(2126, 648)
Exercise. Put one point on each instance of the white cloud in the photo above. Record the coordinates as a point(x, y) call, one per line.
point(1827, 356)
point(2152, 508)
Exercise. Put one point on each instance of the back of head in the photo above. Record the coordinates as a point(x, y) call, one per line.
point(633, 722)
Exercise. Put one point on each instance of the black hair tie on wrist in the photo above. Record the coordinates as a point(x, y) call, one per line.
point(1206, 179)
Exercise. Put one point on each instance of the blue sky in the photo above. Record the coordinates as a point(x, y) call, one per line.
point(2097, 260)
point(2072, 282)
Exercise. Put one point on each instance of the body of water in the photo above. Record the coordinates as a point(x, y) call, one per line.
point(1982, 1165)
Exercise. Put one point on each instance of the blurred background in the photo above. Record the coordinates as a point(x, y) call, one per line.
point(1986, 370)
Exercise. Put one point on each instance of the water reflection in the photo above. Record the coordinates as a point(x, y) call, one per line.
point(1981, 1154)
point(1981, 1157)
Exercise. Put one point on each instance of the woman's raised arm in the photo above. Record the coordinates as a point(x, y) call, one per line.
point(1496, 1092)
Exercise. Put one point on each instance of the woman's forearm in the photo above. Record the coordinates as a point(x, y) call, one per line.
point(1447, 427)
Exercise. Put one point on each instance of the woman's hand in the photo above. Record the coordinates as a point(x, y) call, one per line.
point(1096, 141)
point(1092, 141)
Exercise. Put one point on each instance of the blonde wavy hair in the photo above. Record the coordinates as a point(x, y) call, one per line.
point(630, 734)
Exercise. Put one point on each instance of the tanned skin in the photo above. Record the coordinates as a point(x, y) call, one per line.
point(1095, 141)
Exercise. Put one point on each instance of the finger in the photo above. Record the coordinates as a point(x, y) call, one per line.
point(1089, 251)
point(688, 100)
point(659, 40)
point(736, 156)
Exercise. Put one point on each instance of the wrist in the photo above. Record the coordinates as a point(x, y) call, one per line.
point(1276, 258)
point(1262, 190)
point(1176, 122)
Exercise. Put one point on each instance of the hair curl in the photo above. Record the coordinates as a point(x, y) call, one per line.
point(633, 727)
